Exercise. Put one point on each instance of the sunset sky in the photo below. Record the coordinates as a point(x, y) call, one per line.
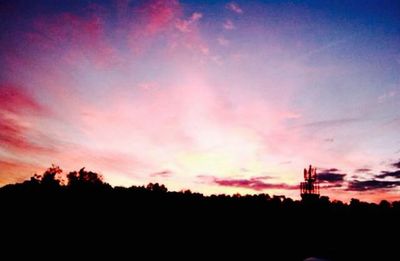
point(211, 96)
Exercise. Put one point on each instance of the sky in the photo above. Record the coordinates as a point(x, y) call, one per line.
point(211, 96)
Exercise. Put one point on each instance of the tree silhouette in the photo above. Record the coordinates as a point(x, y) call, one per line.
point(50, 178)
point(157, 188)
point(84, 178)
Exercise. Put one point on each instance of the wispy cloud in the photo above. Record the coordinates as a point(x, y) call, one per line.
point(185, 26)
point(361, 170)
point(386, 96)
point(159, 14)
point(396, 164)
point(330, 123)
point(223, 41)
point(386, 180)
point(391, 174)
point(14, 100)
point(18, 116)
point(255, 183)
point(234, 7)
point(163, 174)
point(367, 185)
point(228, 25)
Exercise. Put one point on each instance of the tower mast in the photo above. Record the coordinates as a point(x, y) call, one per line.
point(309, 189)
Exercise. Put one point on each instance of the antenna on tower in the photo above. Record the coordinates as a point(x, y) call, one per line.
point(309, 189)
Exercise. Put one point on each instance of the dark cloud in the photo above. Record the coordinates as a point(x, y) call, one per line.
point(378, 181)
point(164, 173)
point(357, 185)
point(362, 170)
point(393, 174)
point(254, 183)
point(396, 164)
point(332, 170)
point(331, 177)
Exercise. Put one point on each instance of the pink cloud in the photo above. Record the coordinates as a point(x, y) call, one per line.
point(185, 25)
point(150, 93)
point(14, 100)
point(159, 15)
point(387, 96)
point(163, 21)
point(74, 37)
point(234, 7)
point(13, 136)
point(223, 41)
point(228, 25)
point(17, 120)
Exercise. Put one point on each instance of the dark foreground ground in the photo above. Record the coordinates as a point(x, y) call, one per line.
point(87, 219)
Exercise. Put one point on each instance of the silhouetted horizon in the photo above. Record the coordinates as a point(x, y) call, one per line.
point(53, 176)
point(84, 202)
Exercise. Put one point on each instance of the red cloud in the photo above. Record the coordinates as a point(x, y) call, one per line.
point(13, 99)
point(14, 136)
point(160, 14)
point(74, 37)
point(78, 38)
point(16, 111)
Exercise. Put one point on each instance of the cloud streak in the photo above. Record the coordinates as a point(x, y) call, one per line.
point(396, 164)
point(391, 174)
point(331, 123)
point(185, 26)
point(234, 7)
point(255, 184)
point(361, 170)
point(330, 177)
point(162, 174)
point(228, 25)
point(18, 114)
point(368, 185)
